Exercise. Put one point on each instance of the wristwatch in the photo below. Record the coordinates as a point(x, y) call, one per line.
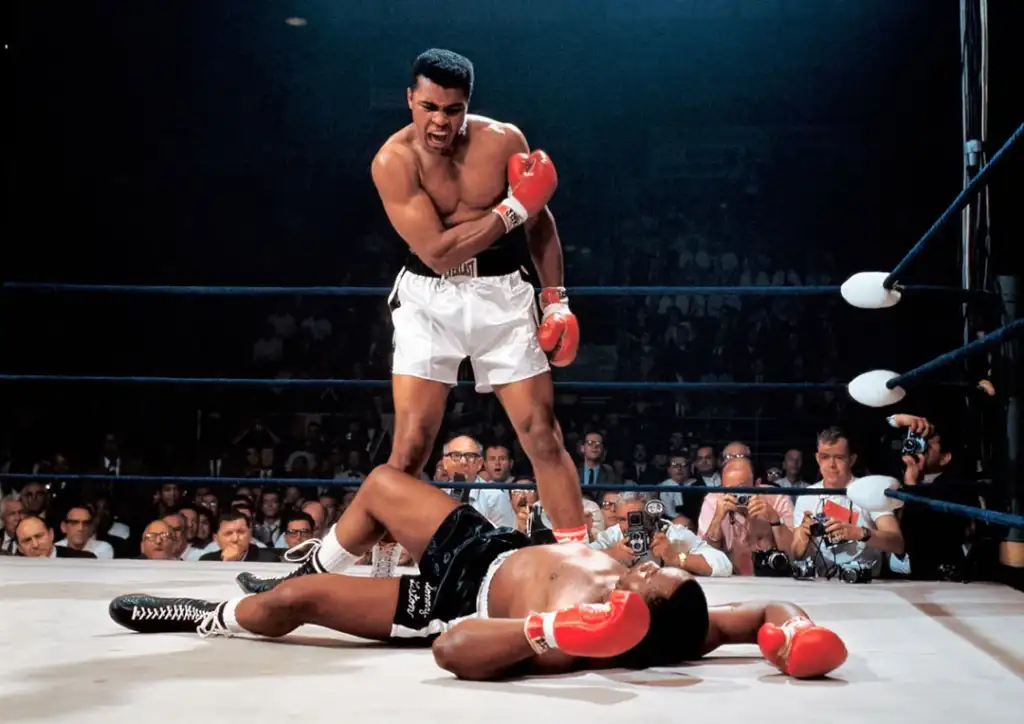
point(867, 534)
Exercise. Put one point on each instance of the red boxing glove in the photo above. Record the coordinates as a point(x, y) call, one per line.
point(592, 630)
point(532, 181)
point(559, 330)
point(801, 648)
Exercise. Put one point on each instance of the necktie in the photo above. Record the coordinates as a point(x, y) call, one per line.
point(590, 476)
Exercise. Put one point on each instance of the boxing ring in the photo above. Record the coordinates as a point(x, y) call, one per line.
point(919, 652)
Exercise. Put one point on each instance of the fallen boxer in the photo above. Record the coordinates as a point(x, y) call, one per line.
point(493, 605)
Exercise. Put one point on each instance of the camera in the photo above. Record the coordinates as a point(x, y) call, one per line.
point(771, 563)
point(818, 525)
point(742, 500)
point(913, 444)
point(804, 569)
point(855, 573)
point(641, 526)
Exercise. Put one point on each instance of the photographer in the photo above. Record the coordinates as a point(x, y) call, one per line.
point(934, 540)
point(740, 524)
point(666, 543)
point(834, 532)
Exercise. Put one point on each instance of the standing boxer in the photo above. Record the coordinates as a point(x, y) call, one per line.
point(470, 201)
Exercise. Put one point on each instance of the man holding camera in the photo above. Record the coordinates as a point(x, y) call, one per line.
point(642, 535)
point(740, 524)
point(839, 537)
point(934, 540)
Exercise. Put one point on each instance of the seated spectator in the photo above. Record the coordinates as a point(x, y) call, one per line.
point(739, 525)
point(269, 523)
point(677, 504)
point(77, 528)
point(296, 529)
point(11, 512)
point(853, 536)
point(177, 525)
point(677, 547)
point(157, 542)
point(35, 540)
point(234, 541)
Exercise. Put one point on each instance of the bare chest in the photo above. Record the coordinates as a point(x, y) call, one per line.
point(466, 188)
point(549, 582)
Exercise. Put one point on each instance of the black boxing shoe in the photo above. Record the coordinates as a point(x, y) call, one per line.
point(149, 614)
point(304, 553)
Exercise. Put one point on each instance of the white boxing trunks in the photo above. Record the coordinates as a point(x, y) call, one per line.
point(440, 321)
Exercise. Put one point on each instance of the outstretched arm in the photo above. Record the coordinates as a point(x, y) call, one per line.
point(486, 649)
point(738, 623)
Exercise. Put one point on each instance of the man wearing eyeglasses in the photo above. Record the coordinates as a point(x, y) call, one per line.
point(463, 455)
point(157, 542)
point(77, 528)
point(298, 528)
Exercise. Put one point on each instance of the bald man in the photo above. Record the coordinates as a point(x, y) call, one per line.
point(158, 542)
point(35, 540)
point(741, 524)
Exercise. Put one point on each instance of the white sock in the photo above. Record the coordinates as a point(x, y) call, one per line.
point(228, 614)
point(332, 557)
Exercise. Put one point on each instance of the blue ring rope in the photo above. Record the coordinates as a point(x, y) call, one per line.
point(957, 206)
point(989, 516)
point(256, 382)
point(356, 482)
point(994, 339)
point(604, 291)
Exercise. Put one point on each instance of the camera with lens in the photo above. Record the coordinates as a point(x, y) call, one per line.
point(771, 563)
point(855, 573)
point(742, 500)
point(913, 444)
point(804, 569)
point(818, 522)
point(641, 526)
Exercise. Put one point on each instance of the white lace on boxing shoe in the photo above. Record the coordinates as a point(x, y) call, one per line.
point(213, 624)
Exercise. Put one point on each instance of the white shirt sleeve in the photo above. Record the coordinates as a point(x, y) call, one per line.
point(496, 506)
point(607, 538)
point(692, 545)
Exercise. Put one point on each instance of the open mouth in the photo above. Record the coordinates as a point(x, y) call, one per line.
point(437, 138)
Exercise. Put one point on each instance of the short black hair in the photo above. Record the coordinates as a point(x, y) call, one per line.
point(679, 625)
point(292, 517)
point(231, 515)
point(444, 67)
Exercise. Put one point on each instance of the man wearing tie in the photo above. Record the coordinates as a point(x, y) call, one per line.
point(593, 471)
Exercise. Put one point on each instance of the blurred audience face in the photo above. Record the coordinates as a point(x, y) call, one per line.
point(197, 497)
point(252, 458)
point(157, 543)
point(835, 462)
point(706, 461)
point(609, 499)
point(330, 504)
point(267, 458)
point(315, 511)
point(13, 512)
point(292, 495)
point(793, 463)
point(678, 469)
point(170, 495)
point(245, 492)
point(77, 527)
point(271, 507)
point(35, 540)
point(233, 537)
point(204, 527)
point(191, 523)
point(177, 526)
point(210, 502)
point(297, 532)
point(354, 461)
point(463, 458)
point(640, 453)
point(498, 463)
point(35, 496)
point(593, 447)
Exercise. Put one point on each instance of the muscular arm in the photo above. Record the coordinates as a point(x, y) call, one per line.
point(738, 623)
point(414, 217)
point(487, 649)
point(541, 233)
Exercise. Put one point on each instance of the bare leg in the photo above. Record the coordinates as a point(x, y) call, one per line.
point(530, 405)
point(738, 623)
point(419, 411)
point(408, 508)
point(363, 607)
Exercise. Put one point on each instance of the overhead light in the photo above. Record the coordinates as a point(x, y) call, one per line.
point(295, 22)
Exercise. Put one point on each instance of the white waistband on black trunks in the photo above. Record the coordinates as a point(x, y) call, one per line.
point(485, 585)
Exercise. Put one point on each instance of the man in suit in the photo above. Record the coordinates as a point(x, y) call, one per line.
point(234, 536)
point(594, 471)
point(35, 540)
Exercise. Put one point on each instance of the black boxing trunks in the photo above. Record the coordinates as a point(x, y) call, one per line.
point(452, 571)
